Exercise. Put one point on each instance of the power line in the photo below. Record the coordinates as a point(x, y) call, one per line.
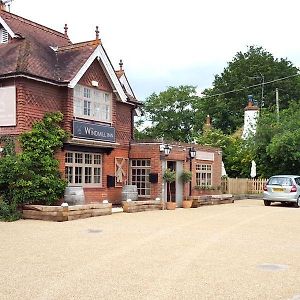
point(251, 86)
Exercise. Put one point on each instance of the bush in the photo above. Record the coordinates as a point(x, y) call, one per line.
point(9, 211)
point(33, 175)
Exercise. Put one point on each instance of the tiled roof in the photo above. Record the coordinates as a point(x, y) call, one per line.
point(41, 51)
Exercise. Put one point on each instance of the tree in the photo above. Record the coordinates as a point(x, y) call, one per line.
point(237, 153)
point(247, 69)
point(172, 114)
point(277, 143)
point(33, 175)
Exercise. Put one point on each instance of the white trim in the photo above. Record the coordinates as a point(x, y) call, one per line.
point(125, 82)
point(6, 27)
point(32, 78)
point(99, 52)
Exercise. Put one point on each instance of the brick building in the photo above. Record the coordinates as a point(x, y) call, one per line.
point(41, 71)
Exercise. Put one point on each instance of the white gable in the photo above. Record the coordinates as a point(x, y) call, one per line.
point(101, 55)
point(7, 29)
point(125, 83)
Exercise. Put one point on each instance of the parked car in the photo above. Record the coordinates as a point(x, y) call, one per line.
point(282, 188)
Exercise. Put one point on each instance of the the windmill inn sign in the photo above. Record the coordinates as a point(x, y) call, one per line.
point(91, 131)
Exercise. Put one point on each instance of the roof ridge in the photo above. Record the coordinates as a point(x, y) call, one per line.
point(79, 45)
point(32, 23)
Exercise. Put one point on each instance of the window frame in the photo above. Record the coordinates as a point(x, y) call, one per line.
point(92, 104)
point(76, 166)
point(204, 169)
point(141, 170)
point(4, 36)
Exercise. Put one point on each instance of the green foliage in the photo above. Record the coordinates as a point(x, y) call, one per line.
point(208, 187)
point(9, 211)
point(9, 145)
point(248, 69)
point(33, 175)
point(277, 144)
point(186, 176)
point(169, 176)
point(237, 153)
point(173, 115)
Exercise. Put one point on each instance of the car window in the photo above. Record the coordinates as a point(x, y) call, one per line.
point(280, 181)
point(297, 179)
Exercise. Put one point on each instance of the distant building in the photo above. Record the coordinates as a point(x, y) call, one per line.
point(250, 118)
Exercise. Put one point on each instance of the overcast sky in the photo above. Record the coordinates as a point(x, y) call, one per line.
point(169, 42)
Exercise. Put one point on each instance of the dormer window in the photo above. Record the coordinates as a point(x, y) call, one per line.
point(3, 36)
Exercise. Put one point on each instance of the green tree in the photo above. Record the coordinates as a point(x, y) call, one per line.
point(277, 143)
point(172, 114)
point(247, 69)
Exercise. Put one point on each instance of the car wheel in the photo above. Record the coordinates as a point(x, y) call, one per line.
point(267, 203)
point(297, 204)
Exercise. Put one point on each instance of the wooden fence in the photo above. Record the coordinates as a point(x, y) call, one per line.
point(238, 186)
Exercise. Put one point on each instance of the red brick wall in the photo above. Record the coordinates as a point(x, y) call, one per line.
point(178, 153)
point(34, 99)
point(124, 123)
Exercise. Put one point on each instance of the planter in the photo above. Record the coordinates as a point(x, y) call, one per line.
point(171, 205)
point(187, 203)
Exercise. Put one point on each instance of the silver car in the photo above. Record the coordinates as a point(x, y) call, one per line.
point(282, 188)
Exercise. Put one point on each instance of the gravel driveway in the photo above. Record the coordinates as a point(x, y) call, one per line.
point(234, 251)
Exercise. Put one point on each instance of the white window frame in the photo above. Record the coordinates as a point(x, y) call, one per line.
point(4, 37)
point(92, 104)
point(90, 165)
point(139, 176)
point(204, 174)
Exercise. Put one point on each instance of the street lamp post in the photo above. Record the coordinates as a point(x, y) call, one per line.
point(192, 155)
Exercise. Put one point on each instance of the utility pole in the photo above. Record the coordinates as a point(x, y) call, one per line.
point(277, 104)
point(262, 90)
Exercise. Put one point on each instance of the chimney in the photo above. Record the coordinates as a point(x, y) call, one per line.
point(207, 125)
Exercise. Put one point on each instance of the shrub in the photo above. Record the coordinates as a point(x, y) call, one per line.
point(33, 175)
point(9, 211)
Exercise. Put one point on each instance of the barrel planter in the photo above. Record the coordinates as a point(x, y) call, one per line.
point(74, 195)
point(129, 192)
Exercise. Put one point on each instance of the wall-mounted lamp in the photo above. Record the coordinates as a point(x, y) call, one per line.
point(192, 152)
point(167, 150)
point(1, 149)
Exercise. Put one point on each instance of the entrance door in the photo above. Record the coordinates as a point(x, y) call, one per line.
point(175, 187)
point(171, 189)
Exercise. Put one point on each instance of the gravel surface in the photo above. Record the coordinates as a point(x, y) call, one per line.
point(234, 251)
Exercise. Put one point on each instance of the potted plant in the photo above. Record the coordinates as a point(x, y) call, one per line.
point(186, 176)
point(170, 176)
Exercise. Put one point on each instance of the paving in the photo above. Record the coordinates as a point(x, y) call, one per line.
point(231, 251)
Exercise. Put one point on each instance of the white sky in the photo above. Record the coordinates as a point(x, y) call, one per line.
point(169, 42)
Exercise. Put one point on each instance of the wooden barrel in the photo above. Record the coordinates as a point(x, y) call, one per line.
point(129, 192)
point(74, 195)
